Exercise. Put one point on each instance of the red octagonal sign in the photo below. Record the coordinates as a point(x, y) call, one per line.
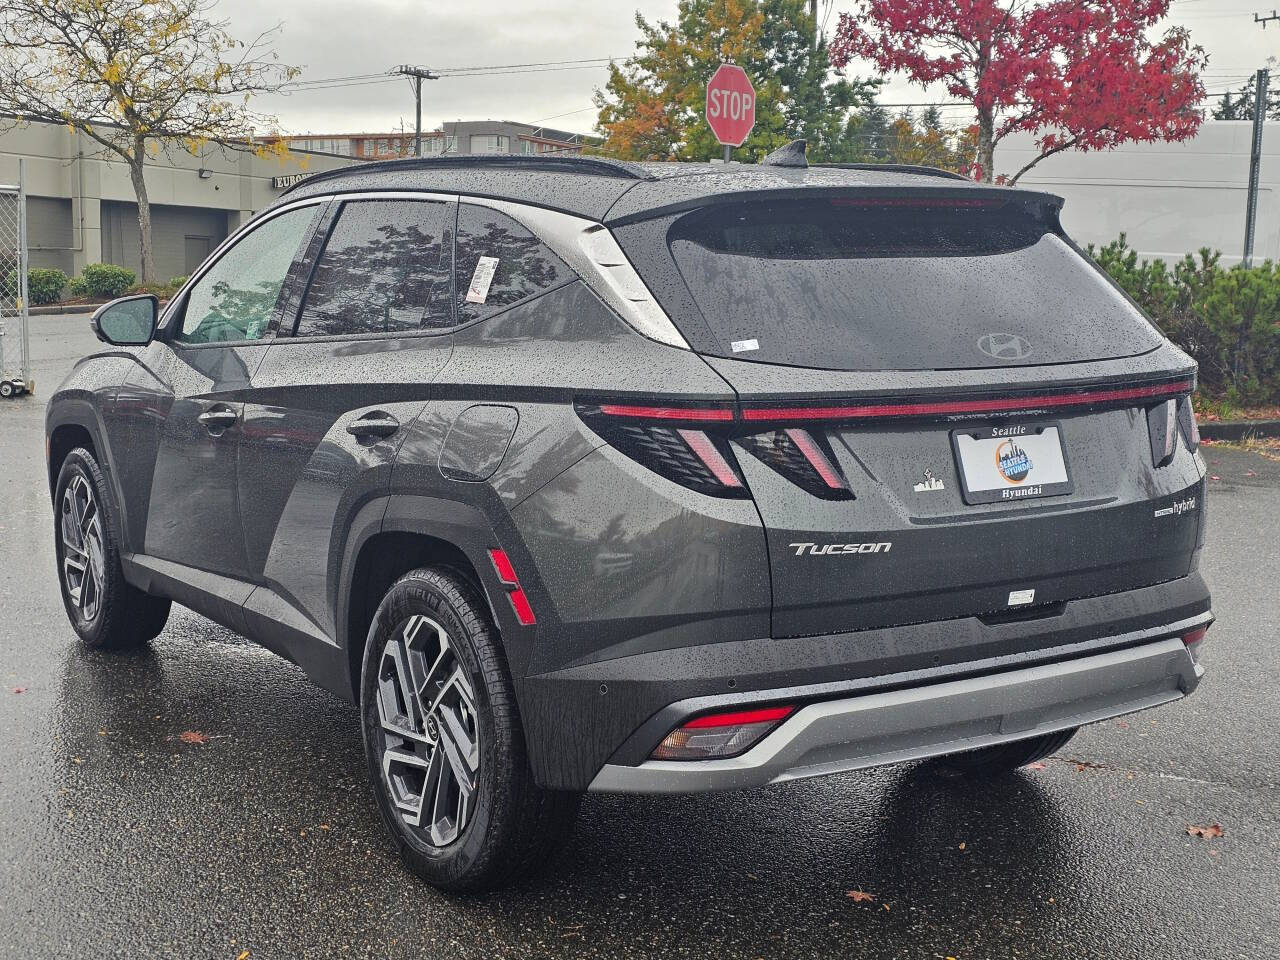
point(731, 105)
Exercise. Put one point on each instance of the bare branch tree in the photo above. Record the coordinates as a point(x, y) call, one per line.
point(137, 77)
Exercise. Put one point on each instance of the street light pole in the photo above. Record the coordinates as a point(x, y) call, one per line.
point(418, 74)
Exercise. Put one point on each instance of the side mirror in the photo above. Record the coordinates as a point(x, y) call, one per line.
point(127, 322)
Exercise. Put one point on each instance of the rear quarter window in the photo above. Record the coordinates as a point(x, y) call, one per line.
point(516, 264)
point(896, 284)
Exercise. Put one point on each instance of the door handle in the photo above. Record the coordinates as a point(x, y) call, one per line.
point(217, 419)
point(376, 424)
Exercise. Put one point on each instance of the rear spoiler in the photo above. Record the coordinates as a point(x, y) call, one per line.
point(1043, 206)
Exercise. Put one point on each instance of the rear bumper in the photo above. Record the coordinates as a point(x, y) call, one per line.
point(911, 723)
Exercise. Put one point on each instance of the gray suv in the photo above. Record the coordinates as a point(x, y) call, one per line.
point(582, 475)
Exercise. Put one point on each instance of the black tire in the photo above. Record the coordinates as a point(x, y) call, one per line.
point(6, 389)
point(511, 827)
point(123, 617)
point(1006, 757)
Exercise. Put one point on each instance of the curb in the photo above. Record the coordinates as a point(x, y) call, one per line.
point(1232, 430)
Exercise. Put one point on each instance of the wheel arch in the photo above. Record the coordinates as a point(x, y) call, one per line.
point(418, 532)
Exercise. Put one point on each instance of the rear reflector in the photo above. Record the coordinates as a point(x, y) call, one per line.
point(1192, 637)
point(506, 572)
point(817, 459)
point(719, 735)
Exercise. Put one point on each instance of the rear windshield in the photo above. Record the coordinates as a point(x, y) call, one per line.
point(900, 284)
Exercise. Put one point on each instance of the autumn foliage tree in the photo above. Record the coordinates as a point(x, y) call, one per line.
point(137, 77)
point(1077, 74)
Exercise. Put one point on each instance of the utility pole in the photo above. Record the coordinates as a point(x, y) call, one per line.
point(1255, 162)
point(1257, 18)
point(417, 74)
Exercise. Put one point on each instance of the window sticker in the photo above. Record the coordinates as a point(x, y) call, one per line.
point(742, 346)
point(478, 292)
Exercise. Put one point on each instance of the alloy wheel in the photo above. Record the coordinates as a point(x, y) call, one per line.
point(83, 553)
point(428, 731)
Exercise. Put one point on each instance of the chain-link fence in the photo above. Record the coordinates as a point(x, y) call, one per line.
point(15, 358)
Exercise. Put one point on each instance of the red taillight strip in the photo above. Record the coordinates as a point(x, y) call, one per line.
point(817, 459)
point(998, 405)
point(700, 414)
point(711, 458)
point(737, 718)
point(506, 572)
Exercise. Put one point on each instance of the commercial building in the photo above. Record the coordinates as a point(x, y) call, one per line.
point(456, 137)
point(82, 209)
point(1169, 199)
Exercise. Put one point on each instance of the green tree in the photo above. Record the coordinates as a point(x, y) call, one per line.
point(653, 105)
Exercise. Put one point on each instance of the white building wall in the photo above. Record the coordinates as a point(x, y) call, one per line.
point(1169, 198)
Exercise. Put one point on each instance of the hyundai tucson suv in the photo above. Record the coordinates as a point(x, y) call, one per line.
point(582, 475)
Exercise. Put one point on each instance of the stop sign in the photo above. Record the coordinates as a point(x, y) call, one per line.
point(731, 105)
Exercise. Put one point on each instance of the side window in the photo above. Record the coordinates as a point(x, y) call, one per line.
point(384, 268)
point(237, 298)
point(500, 263)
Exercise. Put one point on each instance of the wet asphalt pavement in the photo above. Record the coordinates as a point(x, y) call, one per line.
point(119, 839)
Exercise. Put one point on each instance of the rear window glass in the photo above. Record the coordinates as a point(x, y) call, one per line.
point(894, 284)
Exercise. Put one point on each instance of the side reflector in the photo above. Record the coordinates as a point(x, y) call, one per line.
point(720, 735)
point(507, 574)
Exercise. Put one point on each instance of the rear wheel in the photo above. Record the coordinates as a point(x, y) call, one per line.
point(444, 744)
point(105, 611)
point(1004, 757)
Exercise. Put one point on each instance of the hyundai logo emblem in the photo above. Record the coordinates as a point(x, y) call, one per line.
point(1004, 346)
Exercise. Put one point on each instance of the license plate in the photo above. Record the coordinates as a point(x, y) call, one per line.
point(1006, 463)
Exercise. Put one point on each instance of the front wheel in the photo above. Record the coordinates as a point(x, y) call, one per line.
point(1005, 757)
point(105, 610)
point(444, 744)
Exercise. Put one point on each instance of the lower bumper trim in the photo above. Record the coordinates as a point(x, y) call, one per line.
point(874, 729)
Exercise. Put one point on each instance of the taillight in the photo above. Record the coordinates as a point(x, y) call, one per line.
point(718, 735)
point(1187, 422)
point(680, 443)
point(803, 458)
point(1162, 425)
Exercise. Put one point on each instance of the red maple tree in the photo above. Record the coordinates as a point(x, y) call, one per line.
point(1079, 74)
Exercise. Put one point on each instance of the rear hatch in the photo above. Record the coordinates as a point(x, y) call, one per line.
point(944, 410)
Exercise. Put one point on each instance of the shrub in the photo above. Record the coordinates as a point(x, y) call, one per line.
point(176, 283)
point(77, 288)
point(107, 280)
point(1228, 320)
point(43, 286)
point(162, 290)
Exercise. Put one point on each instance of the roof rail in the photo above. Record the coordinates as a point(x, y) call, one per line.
point(897, 168)
point(589, 166)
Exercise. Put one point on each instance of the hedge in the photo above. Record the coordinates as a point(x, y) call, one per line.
point(107, 280)
point(1227, 319)
point(43, 286)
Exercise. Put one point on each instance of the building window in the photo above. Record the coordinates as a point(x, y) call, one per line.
point(528, 146)
point(490, 143)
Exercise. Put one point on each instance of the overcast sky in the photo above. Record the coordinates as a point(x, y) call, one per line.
point(339, 38)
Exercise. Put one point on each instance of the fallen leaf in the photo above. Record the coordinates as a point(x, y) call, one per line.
point(1212, 477)
point(243, 955)
point(1036, 766)
point(1122, 724)
point(77, 760)
point(1250, 473)
point(19, 689)
point(1208, 833)
point(194, 737)
point(324, 826)
point(858, 896)
point(961, 847)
